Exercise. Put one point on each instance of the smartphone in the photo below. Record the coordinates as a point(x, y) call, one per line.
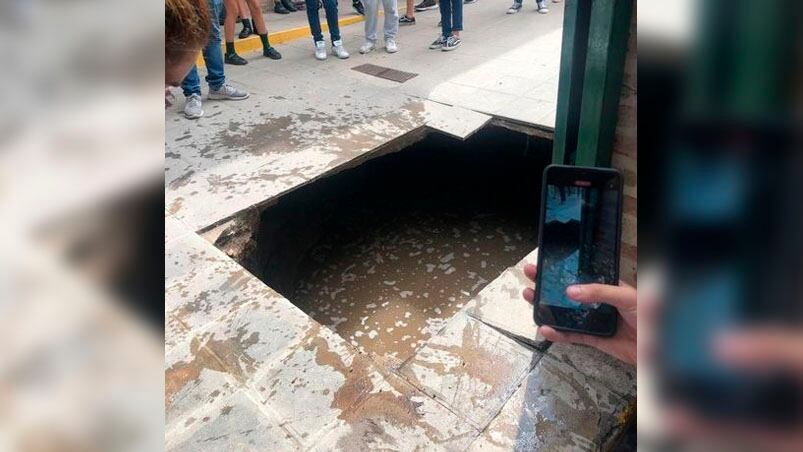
point(732, 262)
point(578, 243)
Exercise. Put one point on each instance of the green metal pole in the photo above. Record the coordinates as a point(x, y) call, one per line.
point(576, 18)
point(609, 30)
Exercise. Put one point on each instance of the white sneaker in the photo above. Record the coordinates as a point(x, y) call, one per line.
point(367, 47)
point(339, 50)
point(193, 108)
point(390, 46)
point(541, 6)
point(320, 50)
point(228, 92)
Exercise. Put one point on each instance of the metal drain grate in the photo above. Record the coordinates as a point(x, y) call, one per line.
point(384, 72)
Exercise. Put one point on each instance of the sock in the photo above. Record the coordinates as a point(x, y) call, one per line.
point(247, 24)
point(230, 48)
point(265, 43)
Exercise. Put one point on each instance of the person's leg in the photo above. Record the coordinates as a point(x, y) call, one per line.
point(262, 30)
point(314, 20)
point(446, 17)
point(231, 19)
point(391, 19)
point(191, 83)
point(371, 19)
point(410, 10)
point(331, 19)
point(457, 16)
point(231, 56)
point(213, 55)
point(245, 16)
point(256, 16)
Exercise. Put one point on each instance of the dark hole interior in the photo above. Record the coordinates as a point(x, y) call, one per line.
point(386, 252)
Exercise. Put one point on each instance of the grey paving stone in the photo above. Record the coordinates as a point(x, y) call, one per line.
point(194, 378)
point(255, 334)
point(397, 416)
point(556, 408)
point(471, 368)
point(230, 423)
point(500, 305)
point(457, 121)
point(311, 388)
point(202, 283)
point(614, 374)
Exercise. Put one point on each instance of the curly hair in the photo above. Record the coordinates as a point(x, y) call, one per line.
point(187, 27)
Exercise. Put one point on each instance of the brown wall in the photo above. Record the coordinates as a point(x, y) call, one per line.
point(624, 158)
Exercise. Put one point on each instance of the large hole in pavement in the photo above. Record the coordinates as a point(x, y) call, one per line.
point(386, 252)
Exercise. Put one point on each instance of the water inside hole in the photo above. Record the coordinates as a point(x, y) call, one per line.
point(387, 252)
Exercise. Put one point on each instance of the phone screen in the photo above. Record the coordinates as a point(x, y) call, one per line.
point(580, 224)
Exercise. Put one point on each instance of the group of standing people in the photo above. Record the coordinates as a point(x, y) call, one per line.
point(250, 15)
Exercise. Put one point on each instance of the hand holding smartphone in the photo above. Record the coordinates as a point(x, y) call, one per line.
point(579, 239)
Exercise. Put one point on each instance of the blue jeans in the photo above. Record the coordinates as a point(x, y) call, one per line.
point(213, 57)
point(330, 6)
point(451, 16)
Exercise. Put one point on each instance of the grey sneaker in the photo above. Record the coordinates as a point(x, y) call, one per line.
point(452, 43)
point(320, 50)
point(438, 43)
point(514, 8)
point(367, 47)
point(193, 108)
point(339, 50)
point(541, 6)
point(228, 92)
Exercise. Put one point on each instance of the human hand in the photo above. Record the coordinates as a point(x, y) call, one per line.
point(751, 351)
point(623, 297)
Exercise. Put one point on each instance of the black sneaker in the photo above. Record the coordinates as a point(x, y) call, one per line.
point(468, 2)
point(438, 43)
point(357, 5)
point(288, 5)
point(246, 32)
point(452, 42)
point(404, 20)
point(272, 53)
point(233, 58)
point(426, 4)
point(278, 8)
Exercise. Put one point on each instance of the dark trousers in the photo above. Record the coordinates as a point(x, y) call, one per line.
point(451, 16)
point(330, 6)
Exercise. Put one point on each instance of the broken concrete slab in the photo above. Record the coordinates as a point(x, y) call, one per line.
point(614, 374)
point(500, 305)
point(397, 416)
point(202, 283)
point(557, 408)
point(471, 368)
point(187, 258)
point(458, 122)
point(230, 423)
